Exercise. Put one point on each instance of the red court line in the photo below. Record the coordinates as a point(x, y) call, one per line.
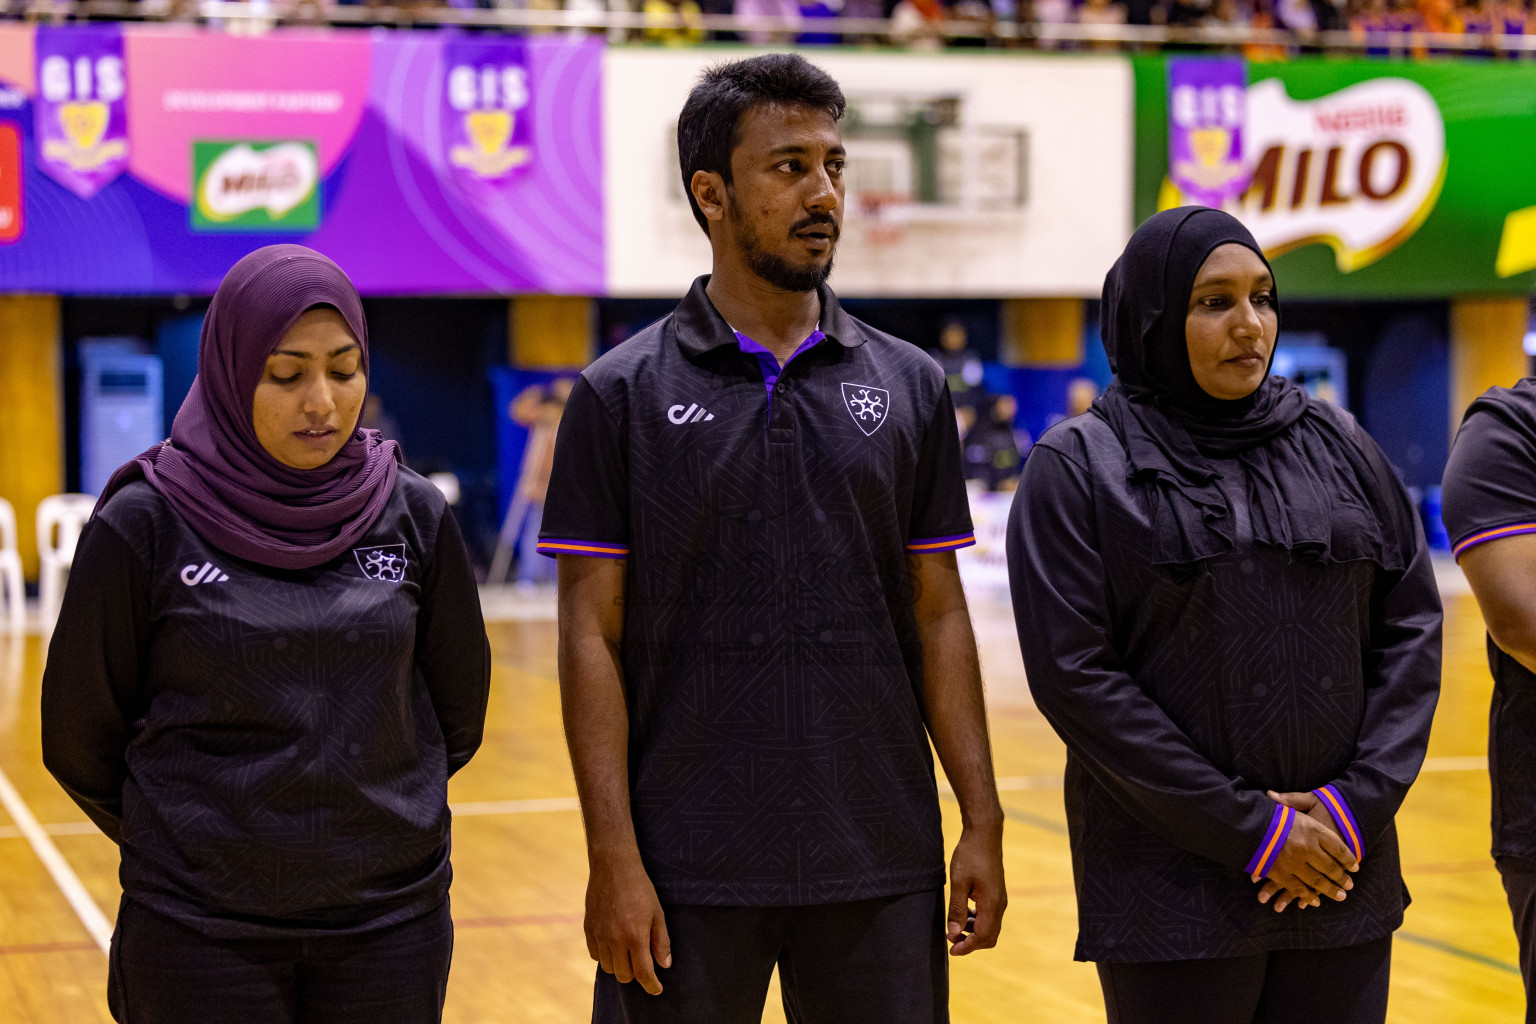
point(49, 947)
point(517, 921)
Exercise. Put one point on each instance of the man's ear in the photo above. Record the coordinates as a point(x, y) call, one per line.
point(708, 189)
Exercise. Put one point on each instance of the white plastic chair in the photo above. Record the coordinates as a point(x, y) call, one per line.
point(60, 518)
point(10, 570)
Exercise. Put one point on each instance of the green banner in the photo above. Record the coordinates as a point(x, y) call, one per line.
point(255, 186)
point(1372, 178)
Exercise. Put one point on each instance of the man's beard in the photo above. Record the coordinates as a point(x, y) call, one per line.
point(775, 269)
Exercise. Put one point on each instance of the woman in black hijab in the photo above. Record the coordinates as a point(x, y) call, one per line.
point(1228, 613)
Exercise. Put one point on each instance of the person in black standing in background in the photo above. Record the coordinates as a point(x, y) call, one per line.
point(755, 504)
point(268, 663)
point(1228, 613)
point(1490, 513)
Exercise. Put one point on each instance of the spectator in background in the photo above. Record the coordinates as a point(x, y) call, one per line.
point(783, 10)
point(1263, 18)
point(962, 367)
point(660, 27)
point(1081, 394)
point(976, 15)
point(376, 417)
point(991, 450)
point(916, 24)
point(538, 408)
point(812, 11)
point(1102, 12)
point(1051, 12)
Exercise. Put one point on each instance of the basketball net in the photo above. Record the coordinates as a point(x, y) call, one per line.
point(881, 223)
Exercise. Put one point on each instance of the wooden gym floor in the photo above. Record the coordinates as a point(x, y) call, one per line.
point(520, 866)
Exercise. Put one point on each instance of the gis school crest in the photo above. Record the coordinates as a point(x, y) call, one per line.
point(385, 563)
point(867, 405)
point(486, 107)
point(81, 110)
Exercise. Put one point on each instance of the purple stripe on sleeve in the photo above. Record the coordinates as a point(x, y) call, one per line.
point(1337, 806)
point(588, 548)
point(1485, 536)
point(1274, 841)
point(915, 541)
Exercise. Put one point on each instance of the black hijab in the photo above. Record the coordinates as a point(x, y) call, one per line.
point(1312, 488)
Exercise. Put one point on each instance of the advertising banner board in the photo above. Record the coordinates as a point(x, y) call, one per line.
point(1362, 179)
point(991, 176)
point(154, 157)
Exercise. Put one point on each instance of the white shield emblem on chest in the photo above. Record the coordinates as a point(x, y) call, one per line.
point(867, 405)
point(385, 563)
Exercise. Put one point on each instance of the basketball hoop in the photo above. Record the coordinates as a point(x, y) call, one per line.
point(881, 219)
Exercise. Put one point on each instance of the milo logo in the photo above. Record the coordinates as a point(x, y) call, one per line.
point(1358, 170)
point(252, 186)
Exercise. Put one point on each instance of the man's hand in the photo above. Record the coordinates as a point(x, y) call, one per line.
point(976, 877)
point(1314, 863)
point(626, 930)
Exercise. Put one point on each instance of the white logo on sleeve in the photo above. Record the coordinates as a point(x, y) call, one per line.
point(693, 413)
point(868, 405)
point(385, 562)
point(194, 574)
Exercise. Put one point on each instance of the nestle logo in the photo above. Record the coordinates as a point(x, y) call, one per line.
point(1362, 119)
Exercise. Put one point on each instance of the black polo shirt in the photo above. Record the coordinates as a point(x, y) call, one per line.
point(778, 754)
point(1490, 494)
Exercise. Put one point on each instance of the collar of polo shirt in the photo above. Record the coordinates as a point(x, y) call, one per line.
point(701, 328)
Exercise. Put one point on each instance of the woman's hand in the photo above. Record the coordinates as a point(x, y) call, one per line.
point(1314, 862)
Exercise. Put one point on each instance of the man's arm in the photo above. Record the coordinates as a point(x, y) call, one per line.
point(625, 928)
point(955, 711)
point(1503, 577)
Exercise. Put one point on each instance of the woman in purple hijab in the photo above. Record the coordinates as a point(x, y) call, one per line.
point(269, 661)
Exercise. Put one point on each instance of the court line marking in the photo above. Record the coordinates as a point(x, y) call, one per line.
point(61, 828)
point(558, 803)
point(1476, 763)
point(33, 948)
point(483, 808)
point(1457, 951)
point(80, 899)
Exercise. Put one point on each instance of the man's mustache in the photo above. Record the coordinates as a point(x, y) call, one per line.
point(814, 220)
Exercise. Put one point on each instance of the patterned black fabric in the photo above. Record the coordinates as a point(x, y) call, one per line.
point(1183, 694)
point(1490, 493)
point(270, 748)
point(770, 657)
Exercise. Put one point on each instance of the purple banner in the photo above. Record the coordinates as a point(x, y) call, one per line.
point(1207, 101)
point(486, 108)
point(80, 115)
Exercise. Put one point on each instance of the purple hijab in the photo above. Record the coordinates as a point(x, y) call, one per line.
point(215, 473)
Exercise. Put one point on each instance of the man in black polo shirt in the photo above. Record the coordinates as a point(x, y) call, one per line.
point(1490, 513)
point(749, 705)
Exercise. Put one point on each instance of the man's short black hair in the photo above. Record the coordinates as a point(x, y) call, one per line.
point(709, 128)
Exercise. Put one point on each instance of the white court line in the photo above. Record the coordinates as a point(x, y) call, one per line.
point(64, 876)
point(558, 803)
point(484, 808)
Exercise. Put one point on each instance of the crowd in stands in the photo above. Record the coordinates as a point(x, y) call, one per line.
point(918, 23)
point(1376, 26)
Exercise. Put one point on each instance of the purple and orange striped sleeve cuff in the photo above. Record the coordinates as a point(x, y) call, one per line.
point(590, 548)
point(1343, 817)
point(1498, 533)
point(1274, 841)
point(929, 545)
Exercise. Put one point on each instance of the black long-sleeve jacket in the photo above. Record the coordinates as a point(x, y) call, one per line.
point(1184, 693)
point(269, 748)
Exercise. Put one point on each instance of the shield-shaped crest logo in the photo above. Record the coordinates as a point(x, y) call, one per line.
point(385, 563)
point(867, 405)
